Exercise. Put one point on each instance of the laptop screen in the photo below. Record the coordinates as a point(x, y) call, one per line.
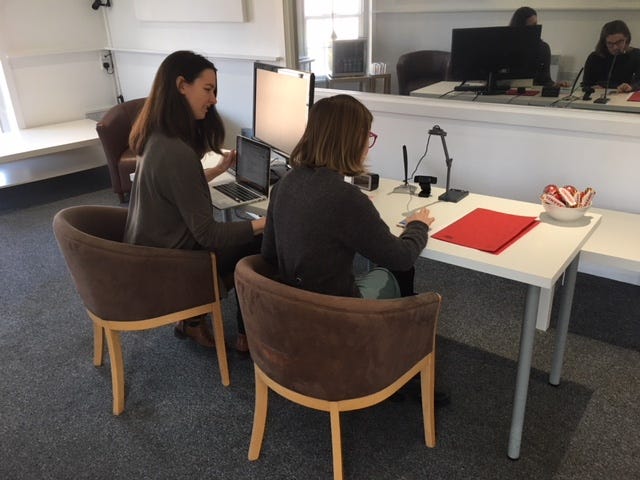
point(252, 164)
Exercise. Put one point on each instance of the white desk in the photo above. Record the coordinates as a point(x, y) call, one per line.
point(617, 101)
point(537, 259)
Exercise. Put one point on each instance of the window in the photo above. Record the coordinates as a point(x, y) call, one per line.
point(6, 113)
point(322, 21)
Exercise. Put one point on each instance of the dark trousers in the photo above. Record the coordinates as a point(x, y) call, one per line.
point(227, 258)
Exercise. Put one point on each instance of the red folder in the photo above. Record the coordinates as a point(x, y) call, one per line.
point(487, 230)
point(634, 97)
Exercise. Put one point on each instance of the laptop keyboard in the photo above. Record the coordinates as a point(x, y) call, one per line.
point(237, 192)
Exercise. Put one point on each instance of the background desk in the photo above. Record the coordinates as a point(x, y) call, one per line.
point(538, 259)
point(366, 83)
point(617, 103)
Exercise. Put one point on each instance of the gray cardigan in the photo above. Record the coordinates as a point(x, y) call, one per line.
point(170, 204)
point(316, 223)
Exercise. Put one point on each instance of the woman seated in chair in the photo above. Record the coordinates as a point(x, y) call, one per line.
point(170, 203)
point(614, 63)
point(527, 16)
point(316, 222)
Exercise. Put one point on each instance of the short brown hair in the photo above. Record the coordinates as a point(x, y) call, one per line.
point(612, 28)
point(336, 135)
point(167, 111)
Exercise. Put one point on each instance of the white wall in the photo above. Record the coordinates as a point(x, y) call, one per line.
point(50, 53)
point(400, 27)
point(141, 46)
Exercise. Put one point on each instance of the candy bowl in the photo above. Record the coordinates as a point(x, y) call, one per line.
point(564, 214)
point(567, 203)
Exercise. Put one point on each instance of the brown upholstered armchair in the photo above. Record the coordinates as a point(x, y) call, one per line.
point(130, 287)
point(334, 353)
point(113, 131)
point(421, 68)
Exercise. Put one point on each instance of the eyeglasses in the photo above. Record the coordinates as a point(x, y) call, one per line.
point(372, 139)
point(617, 43)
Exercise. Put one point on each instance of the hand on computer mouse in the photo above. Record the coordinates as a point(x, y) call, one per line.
point(423, 215)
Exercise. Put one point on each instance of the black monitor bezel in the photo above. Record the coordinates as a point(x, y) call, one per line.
point(495, 54)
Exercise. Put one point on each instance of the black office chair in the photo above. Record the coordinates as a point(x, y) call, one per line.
point(421, 68)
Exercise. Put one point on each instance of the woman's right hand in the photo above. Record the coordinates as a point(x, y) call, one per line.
point(423, 215)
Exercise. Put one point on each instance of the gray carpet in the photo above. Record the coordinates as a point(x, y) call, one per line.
point(180, 422)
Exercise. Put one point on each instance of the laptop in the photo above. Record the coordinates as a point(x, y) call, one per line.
point(252, 176)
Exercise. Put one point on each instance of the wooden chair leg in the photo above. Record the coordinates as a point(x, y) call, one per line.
point(117, 370)
point(427, 390)
point(336, 441)
point(221, 349)
point(259, 417)
point(98, 344)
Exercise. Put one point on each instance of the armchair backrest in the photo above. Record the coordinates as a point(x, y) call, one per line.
point(328, 347)
point(421, 68)
point(119, 281)
point(113, 130)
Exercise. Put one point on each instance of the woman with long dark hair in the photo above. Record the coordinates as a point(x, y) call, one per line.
point(170, 203)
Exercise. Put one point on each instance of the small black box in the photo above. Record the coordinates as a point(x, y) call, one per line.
point(550, 92)
point(368, 181)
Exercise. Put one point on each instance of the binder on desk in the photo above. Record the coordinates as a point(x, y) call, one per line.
point(487, 230)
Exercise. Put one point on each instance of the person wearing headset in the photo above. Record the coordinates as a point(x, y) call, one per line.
point(614, 63)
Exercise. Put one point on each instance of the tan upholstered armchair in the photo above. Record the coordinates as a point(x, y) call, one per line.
point(130, 287)
point(113, 131)
point(334, 353)
point(421, 68)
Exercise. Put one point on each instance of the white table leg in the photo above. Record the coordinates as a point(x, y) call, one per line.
point(524, 369)
point(544, 309)
point(564, 315)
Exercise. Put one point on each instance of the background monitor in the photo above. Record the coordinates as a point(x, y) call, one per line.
point(496, 55)
point(281, 102)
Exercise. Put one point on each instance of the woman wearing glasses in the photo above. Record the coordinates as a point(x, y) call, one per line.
point(614, 46)
point(317, 223)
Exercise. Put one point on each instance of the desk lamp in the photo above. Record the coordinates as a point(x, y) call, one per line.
point(451, 194)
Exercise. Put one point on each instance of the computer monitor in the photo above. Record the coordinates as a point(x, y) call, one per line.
point(495, 56)
point(281, 102)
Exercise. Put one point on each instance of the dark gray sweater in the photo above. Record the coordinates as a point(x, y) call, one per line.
point(316, 223)
point(170, 204)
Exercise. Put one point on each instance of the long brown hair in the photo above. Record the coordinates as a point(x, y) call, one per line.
point(336, 135)
point(167, 111)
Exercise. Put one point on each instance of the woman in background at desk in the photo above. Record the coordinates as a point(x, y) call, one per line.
point(614, 46)
point(316, 222)
point(525, 17)
point(170, 205)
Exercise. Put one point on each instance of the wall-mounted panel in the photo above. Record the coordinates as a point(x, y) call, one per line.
point(195, 11)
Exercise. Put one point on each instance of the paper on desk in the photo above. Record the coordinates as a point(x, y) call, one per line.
point(487, 230)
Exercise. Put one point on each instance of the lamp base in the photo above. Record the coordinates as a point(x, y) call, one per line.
point(453, 195)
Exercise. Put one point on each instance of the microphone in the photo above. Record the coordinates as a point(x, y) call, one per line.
point(603, 100)
point(406, 164)
point(575, 82)
point(405, 187)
